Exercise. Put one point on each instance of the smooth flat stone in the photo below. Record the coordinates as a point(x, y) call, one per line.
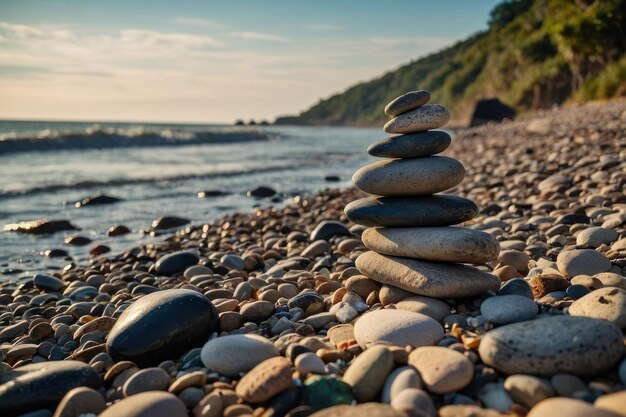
point(148, 404)
point(613, 402)
point(608, 303)
point(411, 400)
point(431, 307)
point(176, 262)
point(372, 409)
point(443, 370)
point(368, 372)
point(414, 176)
point(552, 345)
point(413, 145)
point(416, 211)
point(505, 309)
point(162, 325)
point(448, 244)
point(47, 282)
point(427, 117)
point(582, 262)
point(400, 379)
point(406, 102)
point(396, 328)
point(528, 390)
point(265, 380)
point(569, 407)
point(230, 355)
point(439, 280)
point(42, 385)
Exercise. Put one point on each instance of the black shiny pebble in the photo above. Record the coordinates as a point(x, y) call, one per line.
point(516, 286)
point(577, 291)
point(162, 325)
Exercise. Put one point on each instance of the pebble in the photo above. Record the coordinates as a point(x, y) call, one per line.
point(551, 345)
point(596, 236)
point(431, 307)
point(582, 262)
point(328, 229)
point(528, 390)
point(446, 244)
point(40, 226)
point(148, 379)
point(230, 355)
point(235, 262)
point(613, 402)
point(439, 280)
point(415, 211)
point(265, 380)
point(396, 328)
point(360, 410)
point(147, 404)
point(176, 262)
point(48, 282)
point(505, 309)
point(368, 372)
point(309, 363)
point(552, 407)
point(467, 411)
point(516, 286)
point(412, 145)
point(324, 392)
point(608, 303)
point(162, 325)
point(413, 176)
point(408, 101)
point(400, 379)
point(43, 385)
point(427, 117)
point(78, 401)
point(443, 370)
point(169, 222)
point(566, 385)
point(494, 396)
point(193, 379)
point(257, 311)
point(415, 403)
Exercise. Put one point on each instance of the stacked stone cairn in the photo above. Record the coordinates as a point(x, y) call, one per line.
point(413, 246)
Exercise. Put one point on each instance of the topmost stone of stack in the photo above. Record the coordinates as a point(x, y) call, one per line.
point(406, 102)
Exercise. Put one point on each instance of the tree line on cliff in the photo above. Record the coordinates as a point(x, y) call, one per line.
point(534, 54)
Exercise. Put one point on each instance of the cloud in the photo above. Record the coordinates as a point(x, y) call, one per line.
point(196, 21)
point(76, 73)
point(143, 38)
point(322, 27)
point(258, 36)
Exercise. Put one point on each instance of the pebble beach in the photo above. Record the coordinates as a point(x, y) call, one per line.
point(313, 309)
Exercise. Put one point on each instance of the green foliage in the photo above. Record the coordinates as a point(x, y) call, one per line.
point(536, 53)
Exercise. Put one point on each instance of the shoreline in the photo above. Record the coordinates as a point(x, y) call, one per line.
point(288, 275)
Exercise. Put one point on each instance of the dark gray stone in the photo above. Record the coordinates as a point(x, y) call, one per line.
point(516, 286)
point(412, 145)
point(176, 262)
point(431, 210)
point(43, 385)
point(161, 326)
point(328, 229)
point(47, 282)
point(406, 102)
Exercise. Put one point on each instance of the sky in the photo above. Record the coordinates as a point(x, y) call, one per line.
point(209, 61)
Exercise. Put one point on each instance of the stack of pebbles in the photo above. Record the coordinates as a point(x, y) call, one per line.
point(412, 245)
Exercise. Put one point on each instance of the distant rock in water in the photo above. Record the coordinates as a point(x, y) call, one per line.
point(40, 227)
point(169, 222)
point(97, 200)
point(118, 230)
point(491, 110)
point(262, 192)
point(77, 240)
point(332, 178)
point(211, 193)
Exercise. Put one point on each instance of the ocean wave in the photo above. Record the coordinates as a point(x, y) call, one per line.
point(97, 137)
point(118, 182)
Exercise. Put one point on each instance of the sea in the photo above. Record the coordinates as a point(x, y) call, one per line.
point(157, 170)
